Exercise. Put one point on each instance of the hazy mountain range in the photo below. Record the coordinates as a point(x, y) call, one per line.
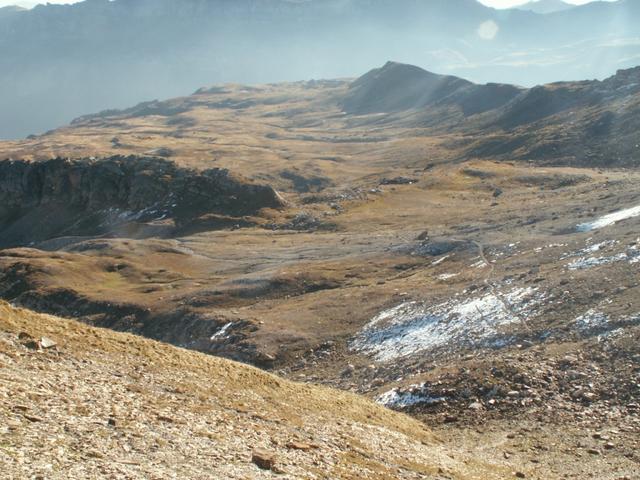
point(546, 6)
point(61, 61)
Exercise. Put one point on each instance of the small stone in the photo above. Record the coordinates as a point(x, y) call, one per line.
point(609, 446)
point(112, 422)
point(520, 475)
point(347, 372)
point(24, 336)
point(305, 447)
point(28, 341)
point(13, 425)
point(95, 454)
point(593, 451)
point(33, 418)
point(263, 459)
point(46, 343)
point(476, 406)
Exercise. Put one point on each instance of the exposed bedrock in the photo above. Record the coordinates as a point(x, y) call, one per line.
point(59, 197)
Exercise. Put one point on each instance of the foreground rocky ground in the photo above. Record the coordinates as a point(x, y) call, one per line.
point(78, 402)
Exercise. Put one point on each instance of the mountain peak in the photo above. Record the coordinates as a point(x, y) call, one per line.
point(398, 87)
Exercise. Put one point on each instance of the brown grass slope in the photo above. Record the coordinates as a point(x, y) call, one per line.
point(109, 405)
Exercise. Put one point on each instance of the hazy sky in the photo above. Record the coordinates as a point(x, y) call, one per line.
point(511, 3)
point(492, 3)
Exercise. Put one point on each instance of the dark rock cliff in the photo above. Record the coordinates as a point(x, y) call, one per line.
point(42, 200)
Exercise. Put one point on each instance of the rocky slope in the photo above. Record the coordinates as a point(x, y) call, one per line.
point(62, 197)
point(582, 123)
point(78, 402)
point(577, 123)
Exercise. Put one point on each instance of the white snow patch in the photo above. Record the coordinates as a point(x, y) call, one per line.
point(479, 264)
point(115, 215)
point(590, 249)
point(594, 319)
point(631, 255)
point(413, 327)
point(599, 246)
point(447, 276)
point(590, 262)
point(222, 333)
point(591, 319)
point(618, 332)
point(440, 260)
point(610, 219)
point(414, 395)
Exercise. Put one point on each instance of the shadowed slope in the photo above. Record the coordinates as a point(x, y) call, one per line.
point(41, 200)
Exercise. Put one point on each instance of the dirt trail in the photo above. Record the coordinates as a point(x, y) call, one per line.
point(487, 281)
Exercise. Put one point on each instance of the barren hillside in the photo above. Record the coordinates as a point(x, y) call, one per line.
point(80, 402)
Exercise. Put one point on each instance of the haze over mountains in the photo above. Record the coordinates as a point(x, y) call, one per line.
point(62, 61)
point(546, 6)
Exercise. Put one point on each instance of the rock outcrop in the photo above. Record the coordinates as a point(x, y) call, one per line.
point(42, 200)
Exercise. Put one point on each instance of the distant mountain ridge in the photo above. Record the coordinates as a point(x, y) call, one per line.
point(545, 6)
point(581, 123)
point(10, 10)
point(62, 61)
